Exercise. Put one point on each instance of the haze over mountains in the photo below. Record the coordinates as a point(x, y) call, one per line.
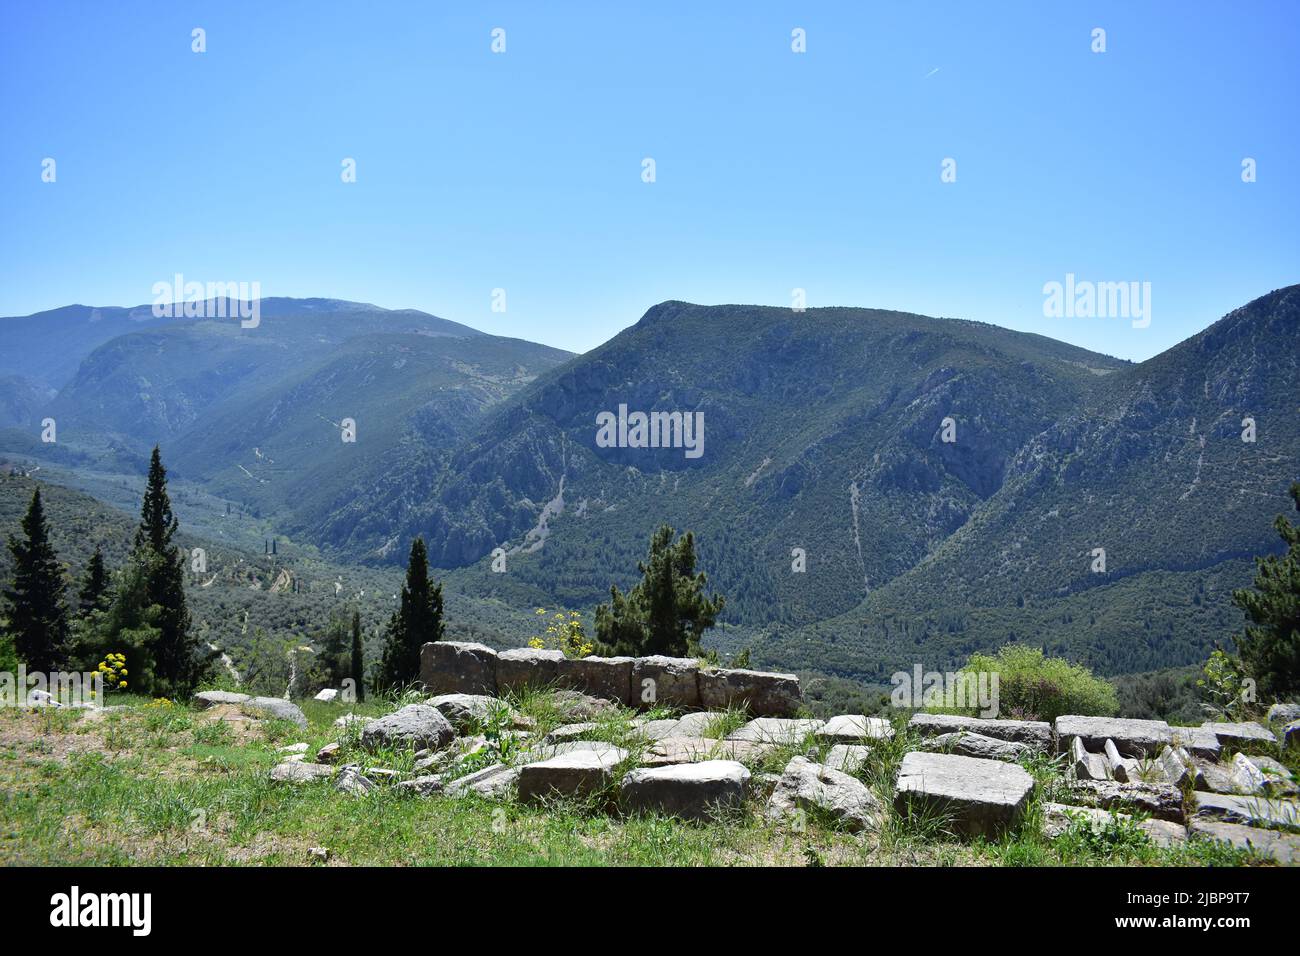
point(824, 442)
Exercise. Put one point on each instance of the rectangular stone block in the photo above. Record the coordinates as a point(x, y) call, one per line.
point(761, 693)
point(457, 667)
point(1034, 733)
point(607, 677)
point(523, 667)
point(1133, 738)
point(667, 681)
point(980, 797)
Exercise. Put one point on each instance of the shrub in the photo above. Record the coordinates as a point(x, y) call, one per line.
point(1032, 686)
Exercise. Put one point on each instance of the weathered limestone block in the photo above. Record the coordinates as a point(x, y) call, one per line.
point(669, 681)
point(967, 744)
point(816, 788)
point(579, 773)
point(608, 677)
point(1284, 848)
point(695, 725)
point(464, 710)
point(1277, 778)
point(1086, 766)
point(776, 730)
point(1247, 736)
point(570, 732)
point(1123, 769)
point(1034, 733)
point(425, 786)
point(673, 750)
point(1133, 738)
point(763, 694)
point(524, 667)
point(980, 796)
point(1174, 768)
point(211, 698)
point(1158, 799)
point(326, 696)
point(1252, 811)
point(855, 728)
point(1198, 741)
point(458, 667)
point(655, 729)
point(276, 708)
point(414, 727)
point(494, 782)
point(298, 772)
point(1057, 819)
point(1291, 734)
point(694, 791)
point(848, 757)
point(1283, 713)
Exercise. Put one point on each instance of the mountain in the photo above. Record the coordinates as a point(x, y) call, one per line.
point(849, 536)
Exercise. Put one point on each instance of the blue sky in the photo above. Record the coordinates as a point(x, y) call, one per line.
point(774, 170)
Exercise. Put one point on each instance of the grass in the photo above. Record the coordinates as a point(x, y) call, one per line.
point(158, 784)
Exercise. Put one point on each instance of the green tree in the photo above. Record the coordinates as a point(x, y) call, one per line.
point(666, 612)
point(358, 658)
point(94, 585)
point(180, 660)
point(34, 603)
point(1270, 646)
point(417, 622)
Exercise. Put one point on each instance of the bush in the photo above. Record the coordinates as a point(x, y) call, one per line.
point(1034, 687)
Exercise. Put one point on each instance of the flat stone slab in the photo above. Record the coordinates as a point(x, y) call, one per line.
point(655, 729)
point(1133, 738)
point(776, 730)
point(980, 796)
point(1035, 733)
point(1242, 736)
point(570, 732)
point(746, 751)
point(297, 772)
point(1160, 800)
point(855, 728)
point(425, 786)
point(1057, 819)
point(967, 744)
point(670, 681)
point(761, 693)
point(277, 708)
point(696, 725)
point(812, 788)
point(458, 667)
point(211, 698)
point(1251, 811)
point(1275, 845)
point(674, 750)
point(493, 782)
point(576, 774)
point(847, 757)
point(1198, 741)
point(693, 791)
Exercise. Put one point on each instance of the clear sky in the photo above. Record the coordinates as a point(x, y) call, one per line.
point(774, 170)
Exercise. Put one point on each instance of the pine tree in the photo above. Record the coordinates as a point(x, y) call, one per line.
point(358, 660)
point(666, 612)
point(35, 603)
point(94, 586)
point(416, 623)
point(179, 658)
point(1270, 647)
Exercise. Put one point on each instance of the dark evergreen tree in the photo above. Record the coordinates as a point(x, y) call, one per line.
point(94, 586)
point(1270, 647)
point(666, 612)
point(34, 604)
point(180, 660)
point(358, 658)
point(417, 622)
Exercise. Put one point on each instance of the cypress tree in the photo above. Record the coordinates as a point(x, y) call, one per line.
point(179, 659)
point(34, 603)
point(417, 622)
point(1270, 647)
point(666, 612)
point(94, 586)
point(358, 662)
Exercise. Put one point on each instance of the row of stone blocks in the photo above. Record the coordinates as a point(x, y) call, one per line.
point(455, 667)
